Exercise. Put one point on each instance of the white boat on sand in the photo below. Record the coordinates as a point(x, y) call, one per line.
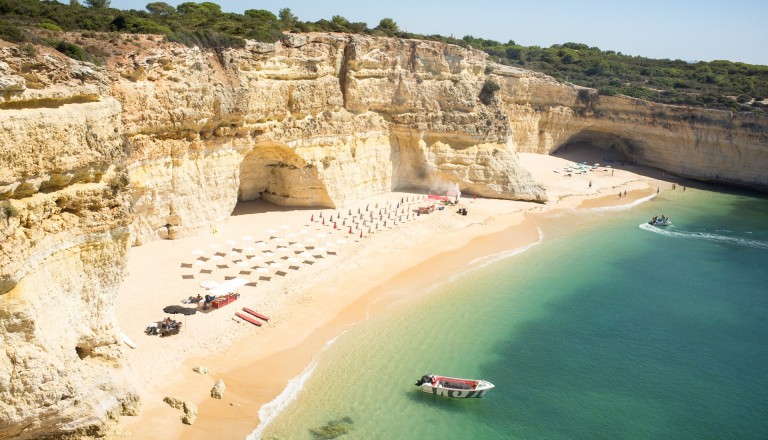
point(453, 386)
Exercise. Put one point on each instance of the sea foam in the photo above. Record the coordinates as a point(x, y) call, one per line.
point(717, 238)
point(623, 207)
point(489, 259)
point(269, 411)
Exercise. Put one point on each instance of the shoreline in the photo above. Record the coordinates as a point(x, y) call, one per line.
point(257, 364)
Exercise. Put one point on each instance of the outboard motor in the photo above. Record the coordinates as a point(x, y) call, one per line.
point(424, 379)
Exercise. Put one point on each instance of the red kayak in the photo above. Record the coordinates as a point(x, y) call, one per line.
point(254, 313)
point(248, 318)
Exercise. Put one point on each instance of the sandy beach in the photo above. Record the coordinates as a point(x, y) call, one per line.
point(322, 281)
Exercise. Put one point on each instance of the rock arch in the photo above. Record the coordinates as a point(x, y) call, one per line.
point(275, 173)
point(616, 146)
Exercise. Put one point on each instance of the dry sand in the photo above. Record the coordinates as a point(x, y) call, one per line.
point(311, 305)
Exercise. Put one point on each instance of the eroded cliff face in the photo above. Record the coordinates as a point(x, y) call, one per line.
point(63, 246)
point(315, 120)
point(164, 140)
point(707, 145)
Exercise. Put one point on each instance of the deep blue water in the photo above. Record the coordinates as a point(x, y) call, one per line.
point(606, 329)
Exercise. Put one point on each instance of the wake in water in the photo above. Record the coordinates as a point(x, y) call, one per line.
point(717, 238)
point(624, 207)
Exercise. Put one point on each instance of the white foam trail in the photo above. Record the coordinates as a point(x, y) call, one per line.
point(488, 259)
point(624, 207)
point(271, 410)
point(706, 236)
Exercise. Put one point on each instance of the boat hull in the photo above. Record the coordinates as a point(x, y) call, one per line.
point(449, 392)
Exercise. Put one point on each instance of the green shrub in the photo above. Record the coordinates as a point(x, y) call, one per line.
point(51, 26)
point(71, 50)
point(28, 50)
point(12, 33)
point(206, 39)
point(490, 87)
point(8, 210)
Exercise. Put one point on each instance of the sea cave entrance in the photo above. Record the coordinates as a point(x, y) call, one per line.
point(595, 147)
point(275, 174)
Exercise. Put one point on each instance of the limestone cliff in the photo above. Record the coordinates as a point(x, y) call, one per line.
point(315, 120)
point(707, 145)
point(164, 140)
point(321, 119)
point(63, 247)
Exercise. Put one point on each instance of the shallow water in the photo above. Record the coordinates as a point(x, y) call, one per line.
point(607, 329)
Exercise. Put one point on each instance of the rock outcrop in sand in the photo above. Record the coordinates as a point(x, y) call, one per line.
point(164, 140)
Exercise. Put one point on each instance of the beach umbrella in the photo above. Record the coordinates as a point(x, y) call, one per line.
point(320, 235)
point(214, 246)
point(270, 231)
point(291, 235)
point(230, 242)
point(341, 241)
point(217, 258)
point(312, 218)
point(173, 309)
point(303, 232)
point(305, 254)
point(310, 240)
point(256, 258)
point(293, 260)
point(198, 263)
point(246, 238)
point(241, 263)
point(261, 244)
point(198, 252)
point(209, 284)
point(262, 270)
point(361, 234)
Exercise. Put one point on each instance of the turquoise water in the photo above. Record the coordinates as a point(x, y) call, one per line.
point(606, 329)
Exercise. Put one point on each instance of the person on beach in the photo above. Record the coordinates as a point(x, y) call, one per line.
point(590, 184)
point(625, 193)
point(674, 186)
point(657, 190)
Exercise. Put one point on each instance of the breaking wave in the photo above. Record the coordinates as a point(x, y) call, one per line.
point(488, 259)
point(271, 410)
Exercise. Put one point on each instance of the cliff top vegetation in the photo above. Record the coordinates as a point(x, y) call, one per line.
point(718, 84)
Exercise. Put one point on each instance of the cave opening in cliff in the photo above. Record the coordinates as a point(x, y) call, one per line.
point(275, 174)
point(595, 147)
